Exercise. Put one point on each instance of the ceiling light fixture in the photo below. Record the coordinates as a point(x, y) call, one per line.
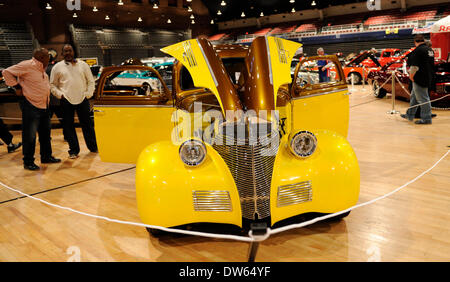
point(219, 12)
point(223, 3)
point(313, 3)
point(169, 21)
point(107, 18)
point(192, 16)
point(120, 3)
point(75, 15)
point(95, 9)
point(188, 0)
point(292, 1)
point(189, 9)
point(262, 14)
point(242, 15)
point(192, 22)
point(48, 7)
point(139, 19)
point(293, 10)
point(155, 6)
point(212, 21)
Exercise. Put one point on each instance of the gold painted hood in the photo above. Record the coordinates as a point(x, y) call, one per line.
point(267, 67)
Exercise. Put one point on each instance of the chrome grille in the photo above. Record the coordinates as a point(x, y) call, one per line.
point(250, 160)
point(211, 200)
point(294, 194)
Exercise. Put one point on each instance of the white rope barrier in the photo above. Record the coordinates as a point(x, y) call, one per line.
point(251, 237)
point(409, 93)
point(303, 224)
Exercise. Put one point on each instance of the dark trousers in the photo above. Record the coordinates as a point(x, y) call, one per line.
point(35, 120)
point(5, 135)
point(86, 122)
point(57, 110)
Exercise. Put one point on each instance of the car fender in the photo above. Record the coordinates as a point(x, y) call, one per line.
point(332, 172)
point(165, 187)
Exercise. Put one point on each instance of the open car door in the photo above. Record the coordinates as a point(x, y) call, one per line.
point(132, 109)
point(320, 95)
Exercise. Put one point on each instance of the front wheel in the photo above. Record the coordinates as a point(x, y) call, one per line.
point(377, 91)
point(156, 232)
point(339, 217)
point(356, 78)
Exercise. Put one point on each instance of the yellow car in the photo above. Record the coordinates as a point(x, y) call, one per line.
point(236, 141)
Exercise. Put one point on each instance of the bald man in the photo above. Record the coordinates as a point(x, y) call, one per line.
point(30, 78)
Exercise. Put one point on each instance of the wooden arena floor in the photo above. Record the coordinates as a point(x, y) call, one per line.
point(411, 225)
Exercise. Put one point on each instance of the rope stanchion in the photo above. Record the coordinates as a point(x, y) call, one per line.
point(409, 93)
point(363, 79)
point(352, 79)
point(393, 111)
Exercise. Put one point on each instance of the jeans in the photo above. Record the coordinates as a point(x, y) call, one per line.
point(35, 120)
point(323, 76)
point(86, 122)
point(419, 95)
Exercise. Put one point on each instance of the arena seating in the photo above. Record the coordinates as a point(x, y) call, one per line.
point(114, 46)
point(16, 43)
point(283, 29)
point(373, 21)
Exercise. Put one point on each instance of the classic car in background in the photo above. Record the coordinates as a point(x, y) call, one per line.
point(165, 70)
point(356, 69)
point(386, 56)
point(219, 171)
point(441, 88)
point(137, 78)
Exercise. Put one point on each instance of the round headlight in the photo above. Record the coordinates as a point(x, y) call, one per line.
point(193, 152)
point(303, 144)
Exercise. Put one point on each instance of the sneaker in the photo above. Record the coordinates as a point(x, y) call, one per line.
point(421, 121)
point(405, 116)
point(13, 147)
point(73, 156)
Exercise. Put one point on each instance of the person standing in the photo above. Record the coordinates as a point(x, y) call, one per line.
point(71, 81)
point(55, 104)
point(421, 73)
point(7, 137)
point(323, 67)
point(29, 77)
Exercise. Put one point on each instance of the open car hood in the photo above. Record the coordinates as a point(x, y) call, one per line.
point(267, 67)
point(361, 57)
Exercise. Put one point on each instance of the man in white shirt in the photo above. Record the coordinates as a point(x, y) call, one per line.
point(71, 81)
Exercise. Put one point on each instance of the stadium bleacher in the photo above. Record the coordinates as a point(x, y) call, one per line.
point(16, 43)
point(114, 46)
point(363, 22)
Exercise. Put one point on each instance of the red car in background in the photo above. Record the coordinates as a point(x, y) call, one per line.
point(357, 69)
point(387, 56)
point(441, 86)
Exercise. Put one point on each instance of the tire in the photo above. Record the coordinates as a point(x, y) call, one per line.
point(357, 78)
point(378, 92)
point(339, 217)
point(156, 232)
point(147, 88)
